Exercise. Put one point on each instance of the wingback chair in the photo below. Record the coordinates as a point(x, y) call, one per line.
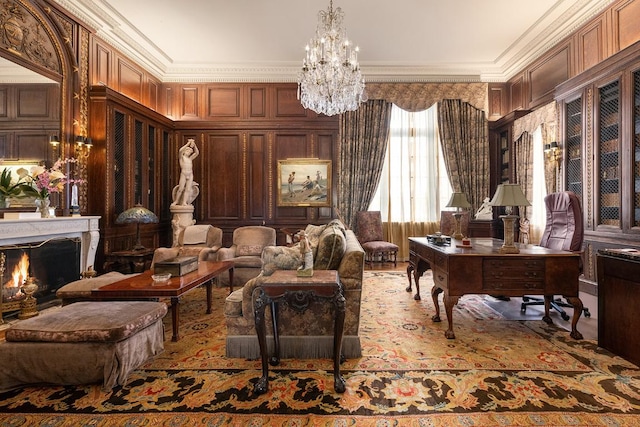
point(200, 240)
point(564, 231)
point(245, 251)
point(371, 237)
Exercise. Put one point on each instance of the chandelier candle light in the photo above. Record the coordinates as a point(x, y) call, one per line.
point(330, 81)
point(509, 195)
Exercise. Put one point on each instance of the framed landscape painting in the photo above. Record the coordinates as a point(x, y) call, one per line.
point(304, 182)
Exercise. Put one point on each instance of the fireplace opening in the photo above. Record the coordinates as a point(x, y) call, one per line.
point(49, 264)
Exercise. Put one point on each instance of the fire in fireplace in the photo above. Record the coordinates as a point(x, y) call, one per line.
point(50, 265)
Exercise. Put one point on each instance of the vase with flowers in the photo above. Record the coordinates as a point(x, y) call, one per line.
point(40, 182)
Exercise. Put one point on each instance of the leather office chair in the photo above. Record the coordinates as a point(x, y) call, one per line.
point(563, 230)
point(371, 238)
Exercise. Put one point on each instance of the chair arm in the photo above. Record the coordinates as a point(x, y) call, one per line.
point(227, 253)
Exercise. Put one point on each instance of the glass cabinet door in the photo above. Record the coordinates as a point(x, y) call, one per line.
point(608, 161)
point(574, 146)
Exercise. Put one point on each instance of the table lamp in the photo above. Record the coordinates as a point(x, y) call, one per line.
point(138, 215)
point(509, 195)
point(458, 201)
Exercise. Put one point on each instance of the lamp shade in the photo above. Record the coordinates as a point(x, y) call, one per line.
point(509, 195)
point(458, 200)
point(137, 215)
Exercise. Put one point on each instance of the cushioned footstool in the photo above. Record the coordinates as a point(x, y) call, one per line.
point(82, 343)
point(80, 290)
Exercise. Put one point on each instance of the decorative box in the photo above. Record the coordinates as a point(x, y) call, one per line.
point(178, 266)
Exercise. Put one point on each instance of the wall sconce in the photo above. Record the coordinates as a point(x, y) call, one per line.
point(54, 141)
point(509, 195)
point(458, 201)
point(552, 151)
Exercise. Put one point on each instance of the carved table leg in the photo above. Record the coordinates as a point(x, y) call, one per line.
point(262, 385)
point(209, 285)
point(449, 302)
point(416, 277)
point(175, 319)
point(275, 359)
point(434, 296)
point(577, 312)
point(338, 382)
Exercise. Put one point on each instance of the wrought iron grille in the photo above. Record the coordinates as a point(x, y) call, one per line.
point(574, 147)
point(609, 164)
point(137, 185)
point(151, 167)
point(636, 150)
point(118, 162)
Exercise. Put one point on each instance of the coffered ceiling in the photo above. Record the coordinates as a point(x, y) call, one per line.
point(400, 40)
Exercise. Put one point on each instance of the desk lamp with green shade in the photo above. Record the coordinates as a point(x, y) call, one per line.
point(509, 195)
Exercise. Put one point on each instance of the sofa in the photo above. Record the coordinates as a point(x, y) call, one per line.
point(307, 335)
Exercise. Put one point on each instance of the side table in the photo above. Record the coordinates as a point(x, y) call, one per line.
point(298, 293)
point(129, 261)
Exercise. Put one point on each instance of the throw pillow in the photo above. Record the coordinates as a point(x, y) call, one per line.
point(249, 250)
point(331, 248)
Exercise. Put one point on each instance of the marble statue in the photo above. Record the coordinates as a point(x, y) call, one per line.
point(187, 190)
point(486, 211)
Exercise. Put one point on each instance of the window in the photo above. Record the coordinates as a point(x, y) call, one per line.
point(414, 185)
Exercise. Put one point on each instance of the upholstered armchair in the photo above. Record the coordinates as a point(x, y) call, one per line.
point(200, 240)
point(245, 252)
point(370, 236)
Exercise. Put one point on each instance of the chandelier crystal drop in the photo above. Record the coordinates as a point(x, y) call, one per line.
point(330, 81)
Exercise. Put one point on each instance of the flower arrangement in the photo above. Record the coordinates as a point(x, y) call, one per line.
point(40, 182)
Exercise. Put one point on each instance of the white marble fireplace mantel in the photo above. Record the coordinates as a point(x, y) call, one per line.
point(19, 231)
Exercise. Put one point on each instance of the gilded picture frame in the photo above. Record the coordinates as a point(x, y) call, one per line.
point(304, 182)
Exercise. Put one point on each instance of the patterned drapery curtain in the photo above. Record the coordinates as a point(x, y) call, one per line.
point(363, 138)
point(465, 145)
point(523, 156)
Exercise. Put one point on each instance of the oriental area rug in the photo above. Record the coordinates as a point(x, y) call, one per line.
point(496, 372)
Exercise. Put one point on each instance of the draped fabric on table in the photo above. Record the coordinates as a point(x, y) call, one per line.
point(465, 144)
point(363, 138)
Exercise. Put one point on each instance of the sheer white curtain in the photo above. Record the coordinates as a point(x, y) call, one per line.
point(538, 210)
point(414, 186)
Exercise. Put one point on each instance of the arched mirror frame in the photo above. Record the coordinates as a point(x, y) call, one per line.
point(42, 40)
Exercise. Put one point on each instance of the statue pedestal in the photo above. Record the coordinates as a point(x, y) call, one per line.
point(182, 218)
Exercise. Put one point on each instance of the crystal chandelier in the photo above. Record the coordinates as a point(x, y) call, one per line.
point(330, 81)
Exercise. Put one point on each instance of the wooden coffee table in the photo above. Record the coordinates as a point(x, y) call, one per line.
point(142, 286)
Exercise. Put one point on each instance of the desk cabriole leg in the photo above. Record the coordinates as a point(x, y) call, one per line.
point(577, 312)
point(410, 270)
point(449, 302)
point(262, 385)
point(338, 382)
point(434, 296)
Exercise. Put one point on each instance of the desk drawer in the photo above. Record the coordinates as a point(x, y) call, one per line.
point(525, 274)
point(421, 251)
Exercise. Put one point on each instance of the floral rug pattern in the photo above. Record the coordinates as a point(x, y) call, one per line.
point(496, 372)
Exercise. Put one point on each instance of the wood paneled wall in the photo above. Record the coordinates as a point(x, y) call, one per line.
point(611, 31)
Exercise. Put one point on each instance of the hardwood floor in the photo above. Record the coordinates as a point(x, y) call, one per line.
point(511, 309)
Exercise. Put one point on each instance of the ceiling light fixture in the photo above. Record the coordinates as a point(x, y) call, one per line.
point(330, 81)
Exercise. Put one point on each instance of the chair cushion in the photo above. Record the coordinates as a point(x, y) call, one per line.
point(233, 304)
point(332, 245)
point(379, 246)
point(90, 321)
point(247, 261)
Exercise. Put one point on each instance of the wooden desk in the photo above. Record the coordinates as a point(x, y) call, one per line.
point(297, 292)
point(142, 286)
point(482, 269)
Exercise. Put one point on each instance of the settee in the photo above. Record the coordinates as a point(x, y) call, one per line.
point(310, 334)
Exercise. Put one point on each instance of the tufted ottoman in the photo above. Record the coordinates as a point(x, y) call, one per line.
point(82, 343)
